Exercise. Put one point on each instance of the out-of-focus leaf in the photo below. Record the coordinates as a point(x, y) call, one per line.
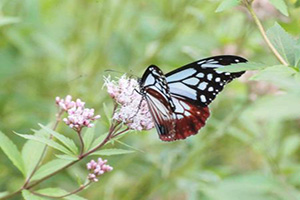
point(290, 145)
point(49, 168)
point(110, 152)
point(12, 152)
point(226, 4)
point(59, 192)
point(63, 139)
point(281, 6)
point(2, 194)
point(276, 107)
point(8, 20)
point(246, 187)
point(31, 153)
point(284, 43)
point(29, 196)
point(297, 3)
point(49, 142)
point(242, 67)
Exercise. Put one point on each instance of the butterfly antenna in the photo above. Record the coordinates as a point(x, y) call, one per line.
point(119, 72)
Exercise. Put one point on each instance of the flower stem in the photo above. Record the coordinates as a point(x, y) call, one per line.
point(65, 195)
point(248, 5)
point(81, 143)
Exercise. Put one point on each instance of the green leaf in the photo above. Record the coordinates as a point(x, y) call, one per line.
point(284, 43)
point(242, 67)
point(49, 168)
point(297, 3)
point(31, 154)
point(29, 196)
point(275, 107)
point(128, 146)
point(110, 152)
point(281, 6)
point(98, 140)
point(290, 145)
point(59, 192)
point(88, 138)
point(63, 139)
point(12, 152)
point(9, 20)
point(49, 142)
point(226, 4)
point(66, 157)
point(274, 72)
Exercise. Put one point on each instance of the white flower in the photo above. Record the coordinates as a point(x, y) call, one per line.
point(133, 111)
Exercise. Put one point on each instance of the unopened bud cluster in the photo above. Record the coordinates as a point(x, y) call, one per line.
point(97, 169)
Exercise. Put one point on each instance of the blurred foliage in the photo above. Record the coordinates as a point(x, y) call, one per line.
point(249, 147)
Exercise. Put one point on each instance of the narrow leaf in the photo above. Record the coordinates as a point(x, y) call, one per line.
point(49, 142)
point(59, 192)
point(29, 196)
point(281, 6)
point(12, 152)
point(63, 139)
point(242, 67)
point(88, 138)
point(66, 157)
point(98, 140)
point(31, 153)
point(50, 167)
point(110, 152)
point(226, 4)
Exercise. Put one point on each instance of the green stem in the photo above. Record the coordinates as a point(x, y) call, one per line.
point(248, 5)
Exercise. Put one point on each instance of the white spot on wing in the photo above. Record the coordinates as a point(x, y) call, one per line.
point(200, 75)
point(209, 77)
point(203, 98)
point(210, 89)
point(218, 79)
point(201, 62)
point(208, 65)
point(203, 85)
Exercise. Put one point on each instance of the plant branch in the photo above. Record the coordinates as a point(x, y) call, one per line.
point(58, 119)
point(65, 195)
point(105, 140)
point(248, 5)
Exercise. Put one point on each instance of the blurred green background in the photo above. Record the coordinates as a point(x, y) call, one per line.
point(52, 48)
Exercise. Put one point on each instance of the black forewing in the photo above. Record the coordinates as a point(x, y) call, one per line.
point(199, 82)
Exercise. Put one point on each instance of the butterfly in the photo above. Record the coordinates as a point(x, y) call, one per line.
point(178, 101)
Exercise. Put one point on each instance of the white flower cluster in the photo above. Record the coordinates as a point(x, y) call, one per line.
point(133, 111)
